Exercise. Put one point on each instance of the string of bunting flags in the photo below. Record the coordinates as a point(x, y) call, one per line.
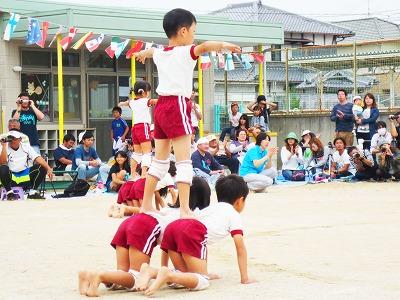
point(37, 34)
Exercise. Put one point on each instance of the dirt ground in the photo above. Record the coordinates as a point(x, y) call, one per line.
point(326, 241)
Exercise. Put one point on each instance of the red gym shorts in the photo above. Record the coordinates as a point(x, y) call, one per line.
point(141, 133)
point(140, 231)
point(172, 117)
point(187, 236)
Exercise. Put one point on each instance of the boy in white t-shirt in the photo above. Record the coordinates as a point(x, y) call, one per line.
point(186, 240)
point(172, 124)
point(234, 116)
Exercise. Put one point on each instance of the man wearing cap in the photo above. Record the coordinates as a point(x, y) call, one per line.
point(20, 165)
point(222, 155)
point(14, 124)
point(234, 116)
point(204, 164)
point(342, 114)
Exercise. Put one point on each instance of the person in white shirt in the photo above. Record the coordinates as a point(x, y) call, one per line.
point(340, 166)
point(381, 137)
point(234, 116)
point(291, 156)
point(195, 116)
point(14, 124)
point(20, 165)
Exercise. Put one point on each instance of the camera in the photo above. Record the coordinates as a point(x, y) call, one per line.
point(356, 155)
point(395, 116)
point(6, 139)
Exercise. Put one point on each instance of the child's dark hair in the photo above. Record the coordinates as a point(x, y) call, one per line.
point(256, 107)
point(87, 135)
point(124, 155)
point(230, 188)
point(176, 19)
point(141, 87)
point(200, 194)
point(380, 124)
point(118, 109)
point(68, 137)
point(23, 94)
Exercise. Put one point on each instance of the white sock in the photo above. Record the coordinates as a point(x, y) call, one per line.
point(33, 192)
point(10, 192)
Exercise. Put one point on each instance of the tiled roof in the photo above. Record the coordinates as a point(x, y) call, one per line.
point(237, 75)
point(370, 29)
point(257, 12)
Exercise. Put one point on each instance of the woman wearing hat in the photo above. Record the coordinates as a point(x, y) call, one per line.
point(306, 137)
point(291, 156)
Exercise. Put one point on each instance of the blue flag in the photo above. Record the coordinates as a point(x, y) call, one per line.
point(34, 34)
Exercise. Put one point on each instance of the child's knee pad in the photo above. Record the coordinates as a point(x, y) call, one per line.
point(184, 171)
point(146, 160)
point(159, 168)
point(202, 284)
point(137, 157)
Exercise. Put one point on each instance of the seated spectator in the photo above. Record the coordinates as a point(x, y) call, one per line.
point(291, 156)
point(306, 137)
point(14, 124)
point(381, 137)
point(64, 154)
point(119, 172)
point(341, 160)
point(234, 116)
point(363, 163)
point(86, 161)
point(243, 125)
point(388, 160)
point(257, 121)
point(204, 164)
point(319, 157)
point(256, 168)
point(238, 147)
point(20, 165)
point(222, 155)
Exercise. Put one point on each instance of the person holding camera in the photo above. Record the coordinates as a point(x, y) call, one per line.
point(388, 163)
point(362, 162)
point(28, 115)
point(20, 165)
point(394, 121)
point(381, 137)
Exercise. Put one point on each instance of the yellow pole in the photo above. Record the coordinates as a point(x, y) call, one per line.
point(200, 82)
point(133, 73)
point(60, 90)
point(3, 121)
point(260, 74)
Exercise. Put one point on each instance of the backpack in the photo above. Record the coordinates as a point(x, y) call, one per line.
point(78, 188)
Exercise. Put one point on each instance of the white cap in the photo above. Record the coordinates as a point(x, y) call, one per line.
point(80, 136)
point(15, 134)
point(211, 137)
point(357, 98)
point(202, 140)
point(305, 132)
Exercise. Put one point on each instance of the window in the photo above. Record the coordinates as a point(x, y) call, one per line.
point(276, 53)
point(99, 60)
point(72, 97)
point(37, 85)
point(33, 58)
point(102, 95)
point(69, 60)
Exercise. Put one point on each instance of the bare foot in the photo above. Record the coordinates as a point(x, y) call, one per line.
point(83, 282)
point(162, 278)
point(94, 282)
point(142, 282)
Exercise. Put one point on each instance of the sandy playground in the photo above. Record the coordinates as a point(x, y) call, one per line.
point(327, 241)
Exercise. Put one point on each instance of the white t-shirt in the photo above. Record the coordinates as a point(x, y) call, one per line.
point(167, 181)
point(378, 140)
point(342, 160)
point(21, 159)
point(175, 67)
point(141, 110)
point(294, 161)
point(193, 117)
point(234, 119)
point(221, 220)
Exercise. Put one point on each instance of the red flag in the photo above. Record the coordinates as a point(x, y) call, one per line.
point(135, 48)
point(110, 52)
point(45, 28)
point(68, 39)
point(259, 58)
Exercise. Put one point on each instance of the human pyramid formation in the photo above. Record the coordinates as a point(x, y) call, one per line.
point(184, 230)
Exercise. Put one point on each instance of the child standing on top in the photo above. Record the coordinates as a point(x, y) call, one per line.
point(141, 138)
point(175, 65)
point(119, 129)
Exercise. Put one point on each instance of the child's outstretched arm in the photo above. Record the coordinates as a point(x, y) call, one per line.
point(142, 55)
point(215, 46)
point(242, 258)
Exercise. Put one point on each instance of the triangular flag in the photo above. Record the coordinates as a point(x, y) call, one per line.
point(245, 61)
point(135, 48)
point(205, 61)
point(82, 40)
point(221, 61)
point(110, 50)
point(12, 23)
point(45, 28)
point(34, 35)
point(229, 66)
point(214, 59)
point(94, 43)
point(59, 31)
point(121, 47)
point(68, 39)
point(259, 58)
